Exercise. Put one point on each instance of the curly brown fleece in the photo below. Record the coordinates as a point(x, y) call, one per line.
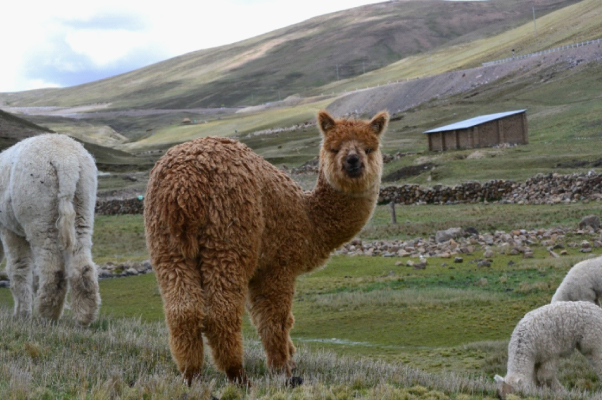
point(225, 228)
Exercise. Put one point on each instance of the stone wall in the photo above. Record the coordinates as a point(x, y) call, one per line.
point(468, 192)
point(120, 206)
point(539, 189)
point(557, 188)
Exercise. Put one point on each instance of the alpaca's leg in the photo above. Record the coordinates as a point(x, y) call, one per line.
point(19, 266)
point(81, 270)
point(36, 283)
point(83, 280)
point(270, 304)
point(180, 284)
point(546, 375)
point(594, 356)
point(224, 277)
point(50, 268)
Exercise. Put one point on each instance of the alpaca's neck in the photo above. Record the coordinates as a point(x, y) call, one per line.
point(337, 217)
point(521, 362)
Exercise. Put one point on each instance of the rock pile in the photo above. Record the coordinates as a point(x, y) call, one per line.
point(133, 205)
point(455, 242)
point(109, 270)
point(451, 244)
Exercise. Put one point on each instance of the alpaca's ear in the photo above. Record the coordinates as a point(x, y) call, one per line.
point(379, 122)
point(498, 379)
point(325, 121)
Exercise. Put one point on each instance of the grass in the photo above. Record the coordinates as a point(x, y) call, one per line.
point(119, 238)
point(239, 124)
point(365, 327)
point(129, 359)
point(425, 220)
point(361, 333)
point(581, 17)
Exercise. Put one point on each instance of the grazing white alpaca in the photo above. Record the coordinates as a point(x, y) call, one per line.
point(47, 199)
point(542, 337)
point(583, 282)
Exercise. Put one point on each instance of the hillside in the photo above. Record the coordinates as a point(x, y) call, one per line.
point(13, 129)
point(295, 59)
point(560, 90)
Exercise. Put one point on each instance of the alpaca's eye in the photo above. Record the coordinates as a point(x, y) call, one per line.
point(368, 151)
point(334, 151)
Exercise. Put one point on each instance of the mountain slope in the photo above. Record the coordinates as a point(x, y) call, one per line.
point(14, 129)
point(297, 58)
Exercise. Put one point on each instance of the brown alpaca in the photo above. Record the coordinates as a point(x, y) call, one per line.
point(224, 228)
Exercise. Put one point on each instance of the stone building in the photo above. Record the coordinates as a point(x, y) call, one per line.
point(482, 131)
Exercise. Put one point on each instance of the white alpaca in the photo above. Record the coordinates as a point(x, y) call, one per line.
point(47, 199)
point(583, 282)
point(542, 337)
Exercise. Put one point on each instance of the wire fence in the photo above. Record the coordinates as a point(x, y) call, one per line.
point(569, 46)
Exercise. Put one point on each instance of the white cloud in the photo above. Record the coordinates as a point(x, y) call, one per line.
point(64, 42)
point(104, 46)
point(39, 83)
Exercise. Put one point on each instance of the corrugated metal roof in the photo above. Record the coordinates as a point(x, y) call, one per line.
point(469, 123)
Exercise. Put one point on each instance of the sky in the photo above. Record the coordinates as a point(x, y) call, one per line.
point(64, 43)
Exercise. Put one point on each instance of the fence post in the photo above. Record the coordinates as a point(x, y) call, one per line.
point(393, 216)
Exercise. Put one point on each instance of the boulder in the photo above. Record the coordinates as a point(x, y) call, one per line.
point(448, 234)
point(592, 221)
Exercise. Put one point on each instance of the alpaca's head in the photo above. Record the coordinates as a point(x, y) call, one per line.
point(350, 158)
point(510, 384)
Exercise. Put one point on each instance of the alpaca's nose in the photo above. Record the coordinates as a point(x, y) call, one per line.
point(353, 165)
point(353, 160)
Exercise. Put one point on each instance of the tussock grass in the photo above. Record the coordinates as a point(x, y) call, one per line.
point(404, 298)
point(425, 220)
point(129, 359)
point(365, 328)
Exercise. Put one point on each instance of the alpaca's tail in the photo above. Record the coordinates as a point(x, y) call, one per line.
point(67, 182)
point(174, 204)
point(66, 223)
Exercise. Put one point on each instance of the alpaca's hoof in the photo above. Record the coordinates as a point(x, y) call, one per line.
point(294, 381)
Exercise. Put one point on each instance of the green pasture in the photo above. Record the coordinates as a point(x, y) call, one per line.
point(230, 125)
point(448, 318)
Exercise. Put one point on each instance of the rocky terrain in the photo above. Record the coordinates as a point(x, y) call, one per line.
point(454, 243)
point(106, 271)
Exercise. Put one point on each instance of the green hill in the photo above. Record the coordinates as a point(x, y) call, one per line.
point(296, 59)
point(442, 83)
